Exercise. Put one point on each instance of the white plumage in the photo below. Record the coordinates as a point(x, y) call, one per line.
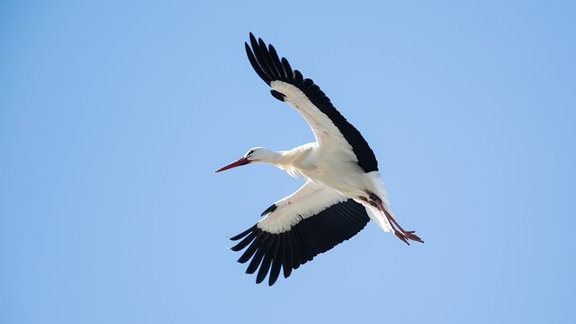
point(343, 188)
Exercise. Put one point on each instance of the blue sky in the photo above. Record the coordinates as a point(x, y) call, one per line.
point(114, 115)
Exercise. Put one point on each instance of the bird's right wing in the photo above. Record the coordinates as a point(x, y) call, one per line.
point(312, 220)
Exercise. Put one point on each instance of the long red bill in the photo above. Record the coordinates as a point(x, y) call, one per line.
point(239, 162)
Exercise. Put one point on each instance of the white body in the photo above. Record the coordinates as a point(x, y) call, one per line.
point(343, 189)
point(330, 161)
point(334, 172)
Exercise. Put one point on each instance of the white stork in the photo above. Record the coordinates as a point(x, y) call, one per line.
point(343, 189)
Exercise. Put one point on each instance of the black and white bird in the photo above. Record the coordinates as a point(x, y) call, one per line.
point(343, 188)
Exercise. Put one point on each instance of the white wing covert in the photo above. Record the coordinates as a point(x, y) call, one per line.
point(330, 128)
point(312, 220)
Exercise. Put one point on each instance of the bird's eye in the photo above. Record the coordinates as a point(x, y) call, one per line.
point(249, 153)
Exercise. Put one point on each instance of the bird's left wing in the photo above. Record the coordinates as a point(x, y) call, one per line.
point(312, 220)
point(332, 131)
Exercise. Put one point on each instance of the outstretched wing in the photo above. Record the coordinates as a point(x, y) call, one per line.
point(312, 220)
point(331, 129)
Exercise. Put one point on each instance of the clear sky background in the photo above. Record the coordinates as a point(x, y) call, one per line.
point(114, 115)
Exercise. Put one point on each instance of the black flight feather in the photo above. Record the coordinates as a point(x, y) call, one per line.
point(270, 252)
point(270, 67)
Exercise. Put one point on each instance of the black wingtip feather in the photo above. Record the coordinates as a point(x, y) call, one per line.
point(244, 243)
point(287, 69)
point(252, 248)
point(275, 62)
point(256, 261)
point(256, 66)
point(270, 67)
point(270, 253)
point(264, 267)
point(241, 235)
point(274, 271)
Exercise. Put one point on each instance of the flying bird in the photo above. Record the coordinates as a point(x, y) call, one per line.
point(343, 188)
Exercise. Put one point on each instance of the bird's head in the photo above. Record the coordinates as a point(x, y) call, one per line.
point(256, 154)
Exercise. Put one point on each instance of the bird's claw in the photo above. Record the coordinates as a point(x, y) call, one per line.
point(401, 236)
point(408, 235)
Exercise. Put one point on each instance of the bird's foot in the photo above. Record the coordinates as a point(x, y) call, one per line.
point(407, 236)
point(400, 233)
point(401, 236)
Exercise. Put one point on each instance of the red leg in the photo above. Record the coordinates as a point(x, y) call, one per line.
point(396, 228)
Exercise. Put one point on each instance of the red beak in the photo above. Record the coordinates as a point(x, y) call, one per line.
point(239, 162)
